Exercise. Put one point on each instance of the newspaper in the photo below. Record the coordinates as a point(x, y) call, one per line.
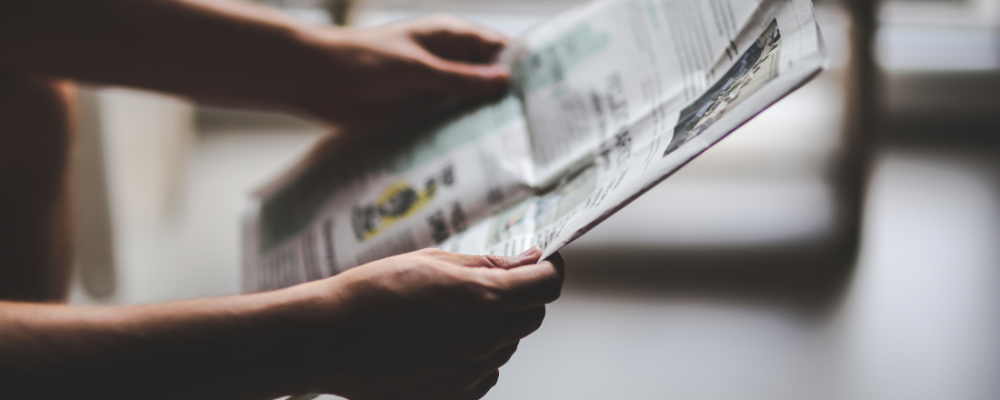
point(607, 100)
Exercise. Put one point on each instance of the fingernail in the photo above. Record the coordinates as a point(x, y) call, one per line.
point(529, 252)
point(497, 71)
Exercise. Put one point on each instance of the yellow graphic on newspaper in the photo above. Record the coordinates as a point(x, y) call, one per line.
point(396, 203)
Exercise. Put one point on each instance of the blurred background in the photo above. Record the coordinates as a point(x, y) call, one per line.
point(845, 244)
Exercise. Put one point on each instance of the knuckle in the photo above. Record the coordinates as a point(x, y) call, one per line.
point(467, 379)
point(487, 261)
point(468, 288)
point(477, 351)
point(459, 383)
point(553, 294)
point(537, 322)
point(552, 289)
point(486, 347)
point(497, 261)
point(480, 300)
point(534, 317)
point(484, 293)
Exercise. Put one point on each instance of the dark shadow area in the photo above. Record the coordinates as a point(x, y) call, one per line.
point(808, 277)
point(941, 110)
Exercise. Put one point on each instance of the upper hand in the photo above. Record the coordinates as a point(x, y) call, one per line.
point(369, 79)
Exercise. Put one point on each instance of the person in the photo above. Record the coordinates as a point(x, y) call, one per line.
point(423, 325)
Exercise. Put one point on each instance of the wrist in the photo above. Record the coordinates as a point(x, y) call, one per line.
point(303, 328)
point(313, 69)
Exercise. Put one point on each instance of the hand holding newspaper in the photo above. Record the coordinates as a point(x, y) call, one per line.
point(608, 100)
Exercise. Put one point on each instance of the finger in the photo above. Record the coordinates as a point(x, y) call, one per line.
point(501, 357)
point(470, 47)
point(530, 256)
point(459, 40)
point(484, 386)
point(491, 363)
point(484, 340)
point(462, 380)
point(527, 286)
point(461, 79)
point(522, 323)
point(557, 260)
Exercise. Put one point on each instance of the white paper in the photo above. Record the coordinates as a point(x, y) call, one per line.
point(608, 100)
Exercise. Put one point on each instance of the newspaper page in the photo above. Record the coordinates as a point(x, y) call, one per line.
point(608, 100)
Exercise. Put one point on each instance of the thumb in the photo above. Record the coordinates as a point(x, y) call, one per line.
point(528, 257)
point(455, 78)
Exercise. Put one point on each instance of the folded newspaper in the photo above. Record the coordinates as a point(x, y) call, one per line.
point(607, 100)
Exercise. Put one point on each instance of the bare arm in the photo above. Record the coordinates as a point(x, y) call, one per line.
point(228, 347)
point(231, 50)
point(425, 325)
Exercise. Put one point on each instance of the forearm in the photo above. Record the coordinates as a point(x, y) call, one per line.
point(240, 347)
point(222, 49)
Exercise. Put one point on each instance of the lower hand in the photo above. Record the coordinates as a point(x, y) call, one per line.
point(428, 324)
